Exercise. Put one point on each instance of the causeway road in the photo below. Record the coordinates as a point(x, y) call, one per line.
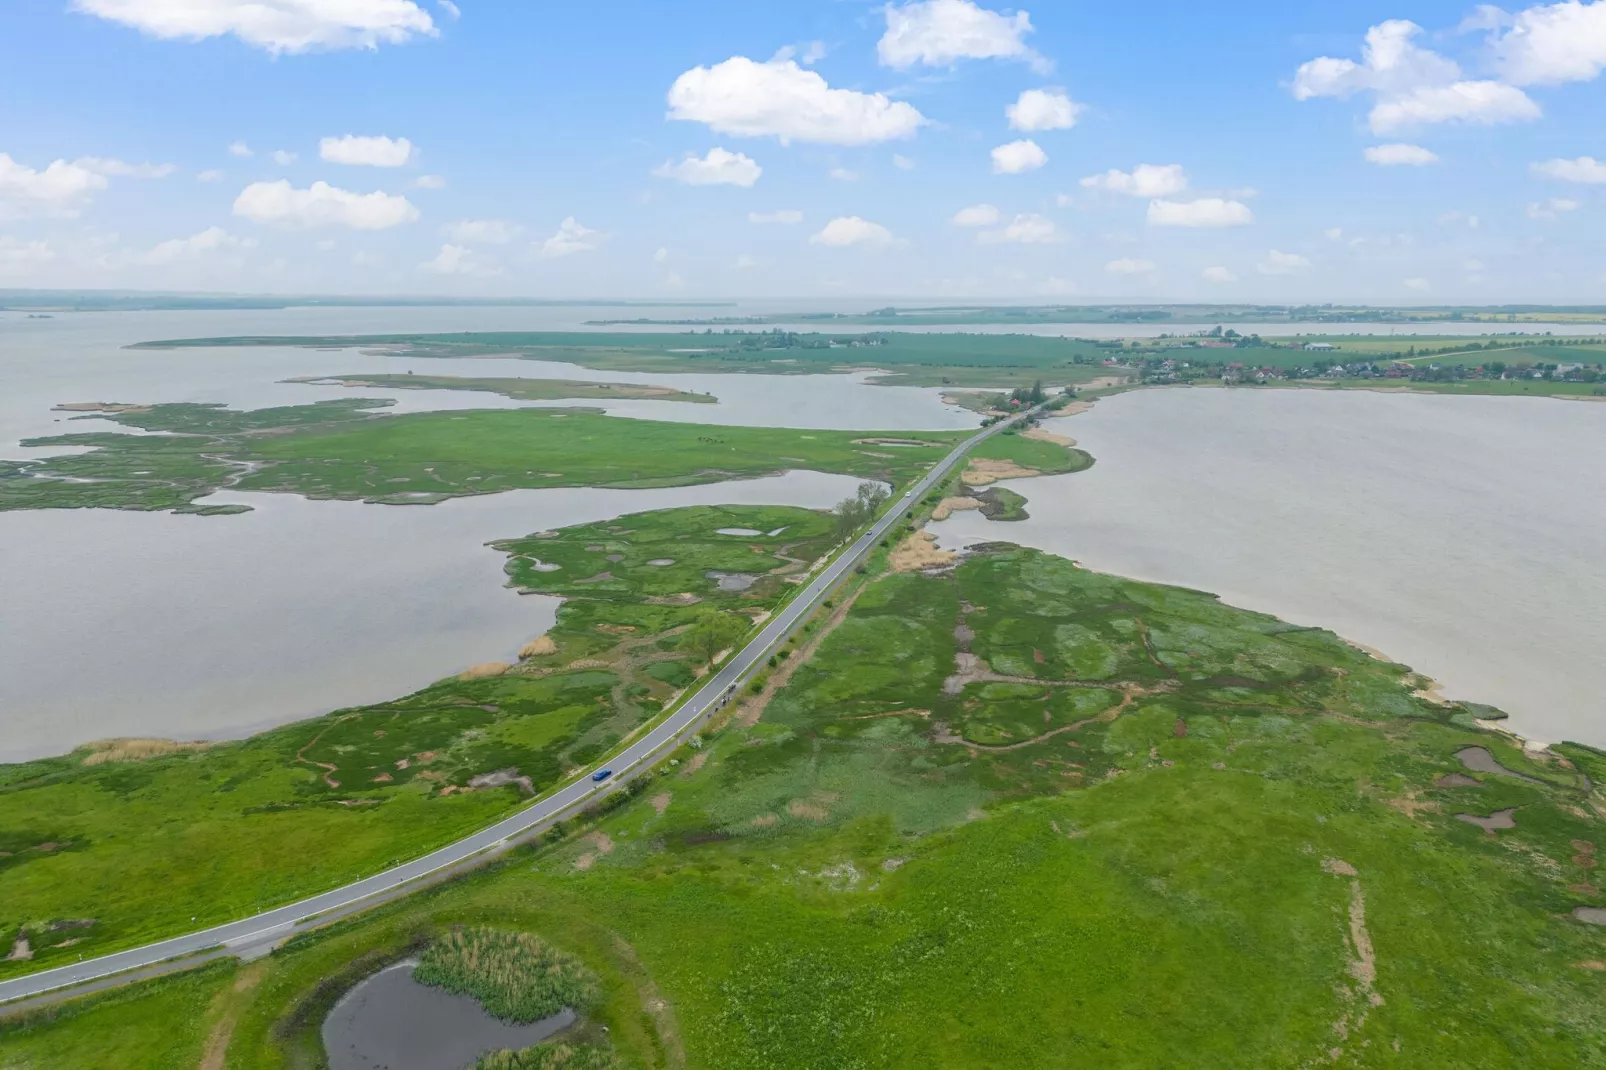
point(263, 931)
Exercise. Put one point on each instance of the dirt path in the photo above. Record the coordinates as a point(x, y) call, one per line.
point(749, 711)
point(217, 1042)
point(1130, 694)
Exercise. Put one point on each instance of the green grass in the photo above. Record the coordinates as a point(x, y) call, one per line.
point(1002, 504)
point(520, 389)
point(1049, 458)
point(341, 449)
point(556, 1056)
point(516, 977)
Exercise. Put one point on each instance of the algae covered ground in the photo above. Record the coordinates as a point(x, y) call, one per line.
point(350, 449)
point(1012, 812)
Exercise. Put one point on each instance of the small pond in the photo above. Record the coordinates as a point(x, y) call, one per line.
point(391, 1022)
point(733, 581)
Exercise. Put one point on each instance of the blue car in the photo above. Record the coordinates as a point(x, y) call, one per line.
point(601, 775)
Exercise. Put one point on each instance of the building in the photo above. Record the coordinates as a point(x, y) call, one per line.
point(1320, 347)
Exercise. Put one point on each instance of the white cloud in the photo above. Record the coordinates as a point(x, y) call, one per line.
point(842, 174)
point(430, 182)
point(60, 189)
point(1411, 86)
point(452, 10)
point(457, 260)
point(718, 168)
point(784, 215)
point(1219, 275)
point(209, 176)
point(1585, 169)
point(744, 262)
point(1205, 212)
point(1025, 229)
point(14, 253)
point(284, 158)
point(1277, 263)
point(240, 149)
point(571, 238)
point(1017, 157)
point(1334, 233)
point(1144, 180)
point(1043, 109)
point(661, 256)
point(274, 25)
point(1552, 209)
point(322, 205)
point(782, 100)
point(1400, 155)
point(1054, 286)
point(851, 230)
point(366, 151)
point(902, 163)
point(1453, 217)
point(1128, 266)
point(482, 232)
point(977, 215)
point(206, 244)
point(1419, 284)
point(939, 33)
point(1551, 44)
point(118, 169)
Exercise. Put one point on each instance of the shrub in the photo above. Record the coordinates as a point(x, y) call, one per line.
point(516, 976)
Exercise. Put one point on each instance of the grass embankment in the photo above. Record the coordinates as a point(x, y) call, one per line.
point(1018, 813)
point(100, 854)
point(518, 389)
point(342, 449)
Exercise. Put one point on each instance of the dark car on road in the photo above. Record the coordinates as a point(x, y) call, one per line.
point(601, 775)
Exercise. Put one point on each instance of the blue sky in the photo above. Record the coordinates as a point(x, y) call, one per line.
point(807, 149)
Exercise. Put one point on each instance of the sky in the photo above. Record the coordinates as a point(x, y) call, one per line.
point(1388, 152)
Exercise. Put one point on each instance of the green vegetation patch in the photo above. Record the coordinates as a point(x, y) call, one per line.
point(519, 389)
point(516, 976)
point(1049, 458)
point(552, 1057)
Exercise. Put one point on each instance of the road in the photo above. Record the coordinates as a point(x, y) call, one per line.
point(273, 926)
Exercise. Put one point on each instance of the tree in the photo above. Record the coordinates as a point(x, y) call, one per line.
point(711, 632)
point(853, 513)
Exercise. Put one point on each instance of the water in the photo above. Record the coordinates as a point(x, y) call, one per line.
point(391, 1022)
point(1464, 536)
point(155, 624)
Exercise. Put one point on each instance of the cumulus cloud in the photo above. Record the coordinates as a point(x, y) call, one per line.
point(15, 254)
point(430, 182)
point(452, 10)
point(782, 100)
point(571, 238)
point(977, 215)
point(1418, 284)
point(902, 163)
point(939, 33)
point(842, 174)
point(1219, 275)
point(274, 25)
point(322, 205)
point(1278, 263)
point(60, 189)
point(1204, 212)
point(784, 215)
point(483, 232)
point(207, 244)
point(852, 230)
point(117, 168)
point(718, 168)
point(366, 151)
point(1411, 86)
point(1552, 208)
point(1018, 157)
point(209, 176)
point(284, 158)
point(457, 260)
point(1027, 228)
point(1400, 155)
point(1585, 169)
point(1144, 180)
point(1043, 109)
point(240, 149)
point(1551, 44)
point(1129, 266)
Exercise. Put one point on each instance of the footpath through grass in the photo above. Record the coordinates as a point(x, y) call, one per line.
point(1017, 813)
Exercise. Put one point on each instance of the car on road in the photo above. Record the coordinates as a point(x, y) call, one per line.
point(601, 774)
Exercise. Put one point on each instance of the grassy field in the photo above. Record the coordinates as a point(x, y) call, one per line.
point(518, 389)
point(1018, 813)
point(342, 449)
point(114, 846)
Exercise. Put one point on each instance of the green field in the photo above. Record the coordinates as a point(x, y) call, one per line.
point(342, 449)
point(1023, 814)
point(518, 389)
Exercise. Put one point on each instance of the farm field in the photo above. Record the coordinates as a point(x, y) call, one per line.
point(1014, 811)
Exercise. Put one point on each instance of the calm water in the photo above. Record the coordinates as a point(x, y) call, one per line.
point(391, 1022)
point(154, 624)
point(1463, 536)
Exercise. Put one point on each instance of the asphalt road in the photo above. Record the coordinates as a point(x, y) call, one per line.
point(273, 926)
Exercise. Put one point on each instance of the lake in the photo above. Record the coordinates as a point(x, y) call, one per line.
point(1464, 536)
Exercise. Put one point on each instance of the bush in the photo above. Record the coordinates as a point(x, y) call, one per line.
point(551, 1057)
point(515, 976)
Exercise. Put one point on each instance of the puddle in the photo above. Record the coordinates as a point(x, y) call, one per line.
point(733, 581)
point(661, 562)
point(1480, 760)
point(746, 532)
point(391, 1022)
point(1590, 915)
point(1500, 819)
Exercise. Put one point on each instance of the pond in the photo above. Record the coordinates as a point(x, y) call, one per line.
point(391, 1022)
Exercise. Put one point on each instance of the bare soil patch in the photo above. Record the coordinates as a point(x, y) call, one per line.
point(1456, 780)
point(948, 506)
point(660, 802)
point(484, 670)
point(1038, 434)
point(1500, 819)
